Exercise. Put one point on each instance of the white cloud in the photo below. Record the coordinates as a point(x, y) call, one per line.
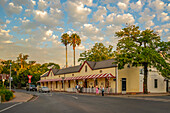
point(120, 19)
point(8, 21)
point(149, 24)
point(136, 6)
point(90, 30)
point(42, 5)
point(81, 47)
point(13, 9)
point(111, 9)
point(111, 29)
point(97, 38)
point(168, 7)
point(49, 33)
point(76, 11)
point(99, 14)
point(7, 42)
point(157, 5)
point(122, 6)
point(48, 19)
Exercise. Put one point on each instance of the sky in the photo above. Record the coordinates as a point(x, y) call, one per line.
point(34, 27)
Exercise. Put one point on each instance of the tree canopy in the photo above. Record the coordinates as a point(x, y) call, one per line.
point(99, 52)
point(142, 48)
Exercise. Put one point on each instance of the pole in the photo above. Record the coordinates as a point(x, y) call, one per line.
point(10, 79)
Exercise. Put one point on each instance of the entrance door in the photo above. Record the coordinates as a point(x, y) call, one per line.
point(85, 83)
point(123, 84)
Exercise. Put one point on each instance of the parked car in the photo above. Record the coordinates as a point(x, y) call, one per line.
point(31, 87)
point(44, 89)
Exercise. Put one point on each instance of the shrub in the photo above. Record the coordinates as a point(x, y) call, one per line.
point(5, 94)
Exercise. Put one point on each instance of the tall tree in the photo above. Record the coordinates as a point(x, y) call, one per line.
point(22, 59)
point(99, 52)
point(142, 49)
point(74, 41)
point(65, 41)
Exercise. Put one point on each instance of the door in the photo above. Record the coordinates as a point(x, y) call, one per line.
point(123, 84)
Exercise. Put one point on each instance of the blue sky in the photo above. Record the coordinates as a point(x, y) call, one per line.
point(34, 27)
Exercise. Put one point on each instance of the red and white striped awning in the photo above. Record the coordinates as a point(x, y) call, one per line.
point(106, 75)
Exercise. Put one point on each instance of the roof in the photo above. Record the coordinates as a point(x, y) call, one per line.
point(105, 64)
point(93, 65)
point(68, 70)
point(45, 74)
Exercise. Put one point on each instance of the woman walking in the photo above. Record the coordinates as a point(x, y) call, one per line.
point(97, 90)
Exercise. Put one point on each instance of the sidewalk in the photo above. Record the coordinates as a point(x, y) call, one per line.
point(20, 97)
point(125, 95)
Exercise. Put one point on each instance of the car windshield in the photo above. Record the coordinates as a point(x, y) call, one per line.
point(32, 85)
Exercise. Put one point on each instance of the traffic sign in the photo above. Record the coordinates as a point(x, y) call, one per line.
point(29, 76)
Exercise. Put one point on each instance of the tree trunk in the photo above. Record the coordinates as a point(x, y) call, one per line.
point(145, 78)
point(66, 57)
point(74, 55)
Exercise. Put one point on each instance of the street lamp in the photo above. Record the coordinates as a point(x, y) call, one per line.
point(10, 77)
point(3, 80)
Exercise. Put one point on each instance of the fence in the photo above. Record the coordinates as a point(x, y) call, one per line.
point(91, 90)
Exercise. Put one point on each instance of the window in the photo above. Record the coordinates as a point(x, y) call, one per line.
point(69, 84)
point(62, 84)
point(72, 74)
point(85, 68)
point(56, 84)
point(156, 83)
point(100, 71)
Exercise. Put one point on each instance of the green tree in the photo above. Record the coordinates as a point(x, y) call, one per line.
point(99, 52)
point(74, 41)
point(142, 48)
point(65, 41)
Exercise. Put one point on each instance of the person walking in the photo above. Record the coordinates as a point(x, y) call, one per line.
point(97, 90)
point(102, 91)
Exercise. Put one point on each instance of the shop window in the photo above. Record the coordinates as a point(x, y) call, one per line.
point(85, 68)
point(69, 84)
point(56, 84)
point(156, 83)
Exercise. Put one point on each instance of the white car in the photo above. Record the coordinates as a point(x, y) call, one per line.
point(44, 89)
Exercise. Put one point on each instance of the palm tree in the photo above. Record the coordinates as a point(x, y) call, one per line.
point(65, 41)
point(75, 40)
point(21, 59)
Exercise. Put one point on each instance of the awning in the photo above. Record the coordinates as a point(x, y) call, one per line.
point(106, 75)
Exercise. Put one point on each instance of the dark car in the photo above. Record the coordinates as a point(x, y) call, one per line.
point(31, 87)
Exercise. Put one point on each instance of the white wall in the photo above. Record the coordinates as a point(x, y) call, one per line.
point(152, 75)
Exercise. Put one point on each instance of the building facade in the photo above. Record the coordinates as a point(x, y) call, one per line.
point(91, 74)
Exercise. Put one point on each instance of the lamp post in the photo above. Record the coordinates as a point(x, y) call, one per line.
point(3, 80)
point(10, 78)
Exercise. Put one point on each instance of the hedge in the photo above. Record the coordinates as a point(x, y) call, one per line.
point(6, 95)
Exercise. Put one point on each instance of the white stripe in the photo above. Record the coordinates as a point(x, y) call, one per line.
point(10, 107)
point(75, 97)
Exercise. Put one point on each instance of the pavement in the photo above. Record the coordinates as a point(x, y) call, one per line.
point(20, 97)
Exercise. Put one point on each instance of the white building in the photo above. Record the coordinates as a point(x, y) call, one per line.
point(156, 82)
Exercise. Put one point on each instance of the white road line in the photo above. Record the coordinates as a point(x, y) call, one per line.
point(10, 107)
point(75, 97)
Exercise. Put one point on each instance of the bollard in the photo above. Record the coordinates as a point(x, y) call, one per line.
point(0, 99)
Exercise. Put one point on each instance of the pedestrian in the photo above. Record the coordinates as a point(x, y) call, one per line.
point(102, 91)
point(97, 90)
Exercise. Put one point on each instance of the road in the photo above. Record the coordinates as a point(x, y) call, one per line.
point(72, 103)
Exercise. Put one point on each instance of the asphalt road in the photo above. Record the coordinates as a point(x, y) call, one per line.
point(72, 103)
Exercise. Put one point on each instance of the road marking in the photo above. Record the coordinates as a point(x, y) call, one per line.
point(75, 97)
point(10, 107)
